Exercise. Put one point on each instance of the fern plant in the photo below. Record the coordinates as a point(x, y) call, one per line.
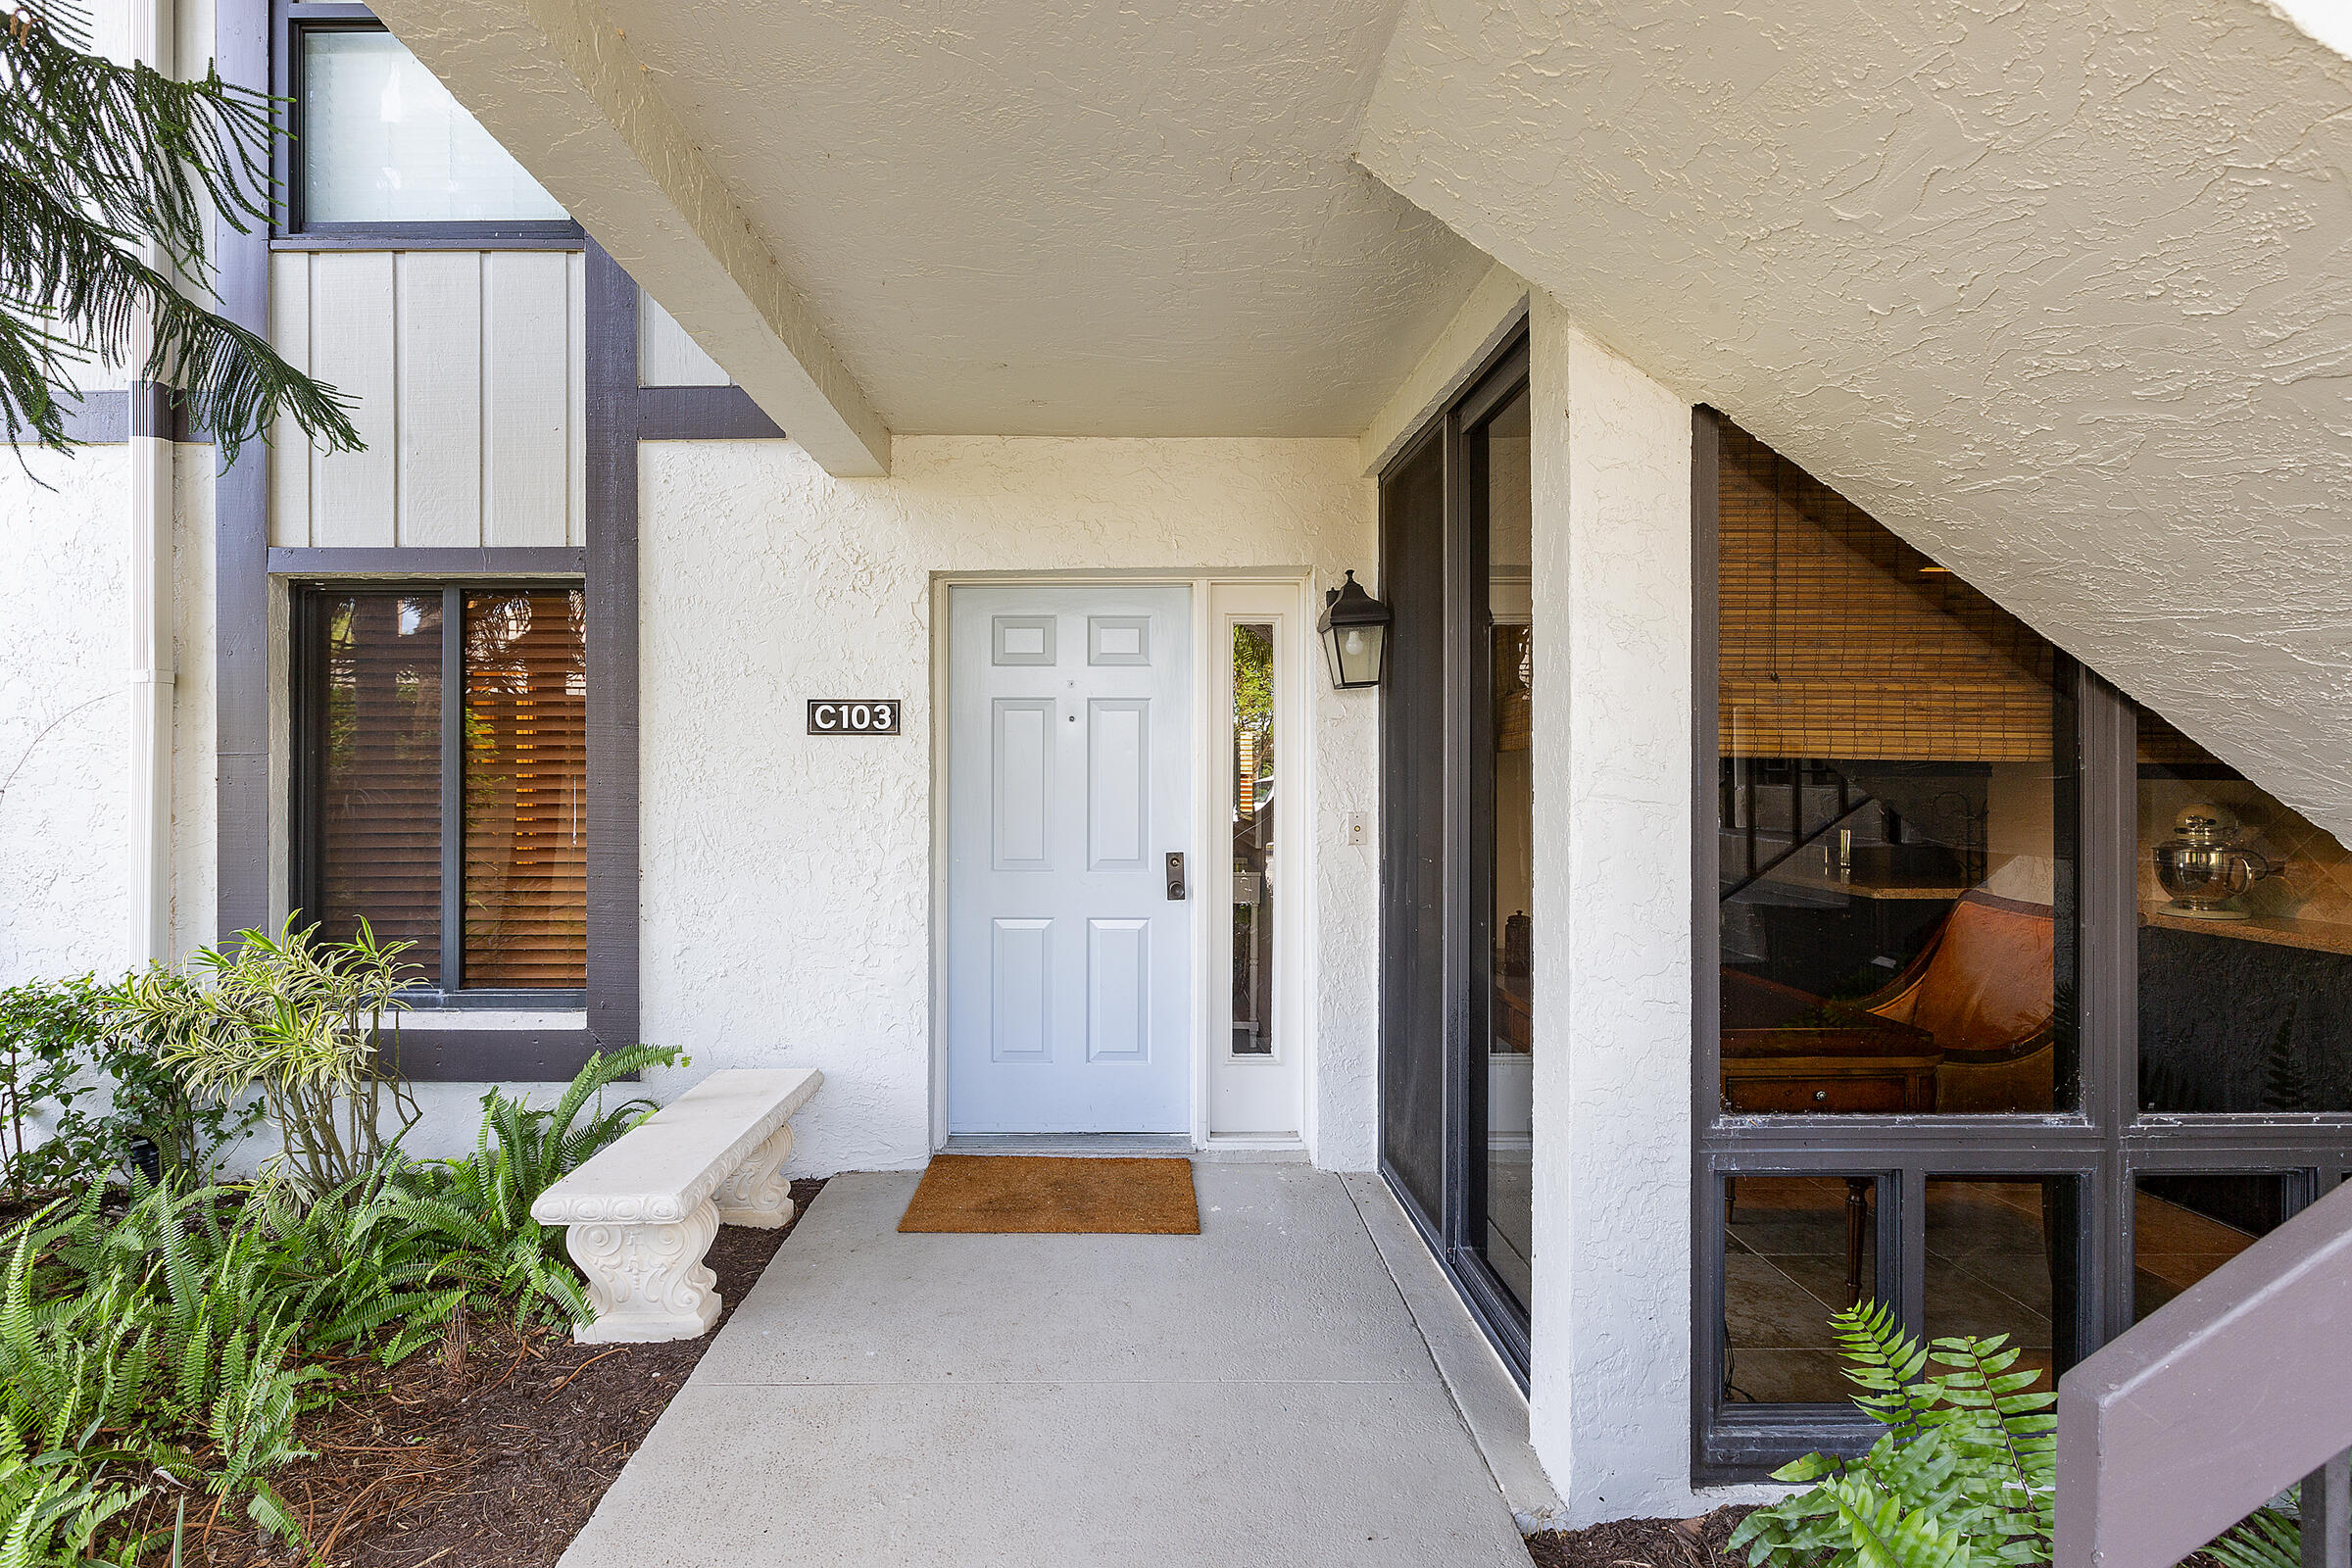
point(1963, 1477)
point(521, 1150)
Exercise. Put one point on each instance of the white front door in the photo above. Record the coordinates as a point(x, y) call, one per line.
point(1070, 786)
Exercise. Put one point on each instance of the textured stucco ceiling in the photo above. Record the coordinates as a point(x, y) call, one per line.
point(2062, 291)
point(1025, 217)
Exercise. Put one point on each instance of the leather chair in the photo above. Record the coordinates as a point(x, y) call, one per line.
point(1980, 989)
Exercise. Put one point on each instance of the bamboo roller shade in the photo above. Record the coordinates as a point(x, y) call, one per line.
point(1835, 644)
point(379, 820)
point(526, 796)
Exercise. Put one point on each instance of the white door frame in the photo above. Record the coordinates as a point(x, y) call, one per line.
point(1211, 733)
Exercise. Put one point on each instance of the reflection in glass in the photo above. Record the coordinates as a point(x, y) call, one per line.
point(2245, 941)
point(2000, 1261)
point(1795, 1250)
point(380, 796)
point(2184, 1227)
point(1509, 1242)
point(1893, 808)
point(527, 798)
point(383, 142)
point(1253, 819)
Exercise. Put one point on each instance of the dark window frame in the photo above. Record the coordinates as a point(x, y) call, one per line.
point(292, 230)
point(2106, 1143)
point(1465, 951)
point(307, 711)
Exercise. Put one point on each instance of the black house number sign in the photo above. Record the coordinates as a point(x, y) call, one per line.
point(852, 716)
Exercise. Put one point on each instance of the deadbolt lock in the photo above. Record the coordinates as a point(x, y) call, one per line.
point(1175, 876)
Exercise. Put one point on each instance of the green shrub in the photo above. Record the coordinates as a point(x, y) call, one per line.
point(1962, 1478)
point(169, 1341)
point(300, 1021)
point(100, 1090)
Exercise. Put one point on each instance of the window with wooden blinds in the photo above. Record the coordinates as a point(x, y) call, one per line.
point(442, 787)
point(379, 810)
point(527, 807)
point(1838, 639)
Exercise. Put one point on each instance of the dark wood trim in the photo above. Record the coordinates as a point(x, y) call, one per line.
point(613, 828)
point(702, 413)
point(100, 418)
point(453, 789)
point(241, 542)
point(491, 1055)
point(556, 234)
point(108, 417)
point(395, 561)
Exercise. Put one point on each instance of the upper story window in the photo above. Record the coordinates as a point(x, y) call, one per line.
point(441, 781)
point(381, 153)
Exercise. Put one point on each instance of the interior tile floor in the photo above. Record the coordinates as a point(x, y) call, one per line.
point(1989, 1272)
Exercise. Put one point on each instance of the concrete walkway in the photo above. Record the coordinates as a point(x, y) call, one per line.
point(1257, 1395)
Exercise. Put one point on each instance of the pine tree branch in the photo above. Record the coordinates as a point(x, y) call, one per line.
point(97, 160)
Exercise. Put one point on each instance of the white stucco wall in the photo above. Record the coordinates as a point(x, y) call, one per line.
point(65, 556)
point(2055, 291)
point(1609, 1406)
point(787, 881)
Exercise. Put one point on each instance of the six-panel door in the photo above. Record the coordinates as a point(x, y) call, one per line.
point(1069, 965)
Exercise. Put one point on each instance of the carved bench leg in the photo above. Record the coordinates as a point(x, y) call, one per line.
point(646, 1282)
point(757, 1193)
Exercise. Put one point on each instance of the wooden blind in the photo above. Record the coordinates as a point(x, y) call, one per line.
point(1839, 639)
point(379, 805)
point(527, 802)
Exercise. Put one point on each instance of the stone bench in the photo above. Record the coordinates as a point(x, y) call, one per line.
point(641, 1213)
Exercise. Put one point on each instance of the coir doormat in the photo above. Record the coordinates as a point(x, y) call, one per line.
point(1019, 1195)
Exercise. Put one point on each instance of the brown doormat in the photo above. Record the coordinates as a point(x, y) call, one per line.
point(1026, 1194)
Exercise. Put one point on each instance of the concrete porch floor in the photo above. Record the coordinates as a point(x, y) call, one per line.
point(1262, 1392)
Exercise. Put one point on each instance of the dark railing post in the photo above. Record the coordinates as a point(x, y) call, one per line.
point(2325, 1506)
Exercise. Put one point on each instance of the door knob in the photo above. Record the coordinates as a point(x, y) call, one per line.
point(1175, 876)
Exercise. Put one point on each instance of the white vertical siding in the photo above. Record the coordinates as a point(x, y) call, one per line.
point(666, 355)
point(439, 501)
point(352, 321)
point(469, 371)
point(526, 397)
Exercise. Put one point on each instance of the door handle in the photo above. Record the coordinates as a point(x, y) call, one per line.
point(1175, 876)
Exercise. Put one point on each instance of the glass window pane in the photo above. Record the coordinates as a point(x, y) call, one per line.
point(383, 142)
point(378, 848)
point(2245, 941)
point(2184, 1227)
point(1253, 823)
point(527, 802)
point(1508, 1243)
point(1795, 1250)
point(1894, 818)
point(2002, 1260)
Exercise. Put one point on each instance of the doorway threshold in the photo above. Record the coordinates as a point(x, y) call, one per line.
point(1098, 1144)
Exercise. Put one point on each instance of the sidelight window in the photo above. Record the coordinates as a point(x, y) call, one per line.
point(1251, 823)
point(442, 768)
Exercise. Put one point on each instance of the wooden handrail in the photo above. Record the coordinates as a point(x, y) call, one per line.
point(2234, 1390)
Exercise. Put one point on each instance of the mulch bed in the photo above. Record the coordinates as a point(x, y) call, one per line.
point(496, 1466)
point(1642, 1544)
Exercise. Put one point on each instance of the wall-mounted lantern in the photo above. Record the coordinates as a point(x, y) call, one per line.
point(1354, 628)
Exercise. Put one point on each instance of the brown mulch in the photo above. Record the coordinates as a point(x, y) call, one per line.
point(497, 1466)
point(1642, 1544)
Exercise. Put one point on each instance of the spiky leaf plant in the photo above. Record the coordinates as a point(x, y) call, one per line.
point(1962, 1478)
point(99, 164)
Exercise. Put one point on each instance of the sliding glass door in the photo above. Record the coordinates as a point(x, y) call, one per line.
point(1457, 727)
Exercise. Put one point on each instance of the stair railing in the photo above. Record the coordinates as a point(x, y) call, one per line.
point(2227, 1396)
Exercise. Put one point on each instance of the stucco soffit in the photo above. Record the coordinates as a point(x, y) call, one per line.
point(558, 86)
